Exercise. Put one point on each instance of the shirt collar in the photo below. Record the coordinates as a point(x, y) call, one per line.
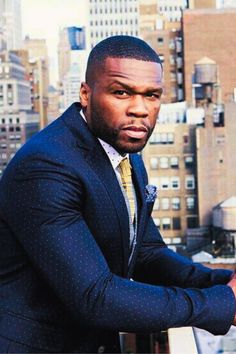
point(113, 155)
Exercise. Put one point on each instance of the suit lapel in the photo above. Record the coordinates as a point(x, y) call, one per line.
point(100, 163)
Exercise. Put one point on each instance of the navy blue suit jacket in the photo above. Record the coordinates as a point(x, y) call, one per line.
point(64, 250)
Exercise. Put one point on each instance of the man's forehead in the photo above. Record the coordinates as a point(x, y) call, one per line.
point(133, 69)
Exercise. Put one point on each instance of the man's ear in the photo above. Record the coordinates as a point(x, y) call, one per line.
point(84, 94)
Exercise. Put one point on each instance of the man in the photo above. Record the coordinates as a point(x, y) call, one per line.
point(73, 232)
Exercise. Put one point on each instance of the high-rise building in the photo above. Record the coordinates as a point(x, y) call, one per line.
point(202, 40)
point(10, 22)
point(109, 18)
point(53, 103)
point(64, 54)
point(171, 165)
point(171, 9)
point(38, 70)
point(72, 49)
point(17, 121)
point(71, 86)
point(166, 39)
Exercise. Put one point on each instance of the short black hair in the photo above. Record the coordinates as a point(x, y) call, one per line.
point(119, 47)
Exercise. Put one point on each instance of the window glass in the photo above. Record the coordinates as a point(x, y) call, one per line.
point(164, 162)
point(189, 182)
point(176, 223)
point(190, 203)
point(165, 203)
point(174, 162)
point(165, 182)
point(175, 182)
point(175, 202)
point(188, 161)
point(166, 223)
point(154, 163)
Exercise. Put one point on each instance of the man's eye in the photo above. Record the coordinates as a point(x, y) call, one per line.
point(121, 93)
point(153, 95)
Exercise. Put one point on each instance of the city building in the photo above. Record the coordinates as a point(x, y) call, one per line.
point(166, 39)
point(38, 70)
point(64, 54)
point(10, 23)
point(108, 18)
point(37, 75)
point(215, 160)
point(71, 86)
point(15, 89)
point(17, 121)
point(224, 227)
point(171, 165)
point(72, 49)
point(202, 4)
point(171, 9)
point(202, 40)
point(225, 3)
point(53, 104)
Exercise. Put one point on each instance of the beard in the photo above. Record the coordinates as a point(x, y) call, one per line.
point(100, 128)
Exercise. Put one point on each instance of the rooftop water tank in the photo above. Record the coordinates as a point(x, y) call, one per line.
point(205, 71)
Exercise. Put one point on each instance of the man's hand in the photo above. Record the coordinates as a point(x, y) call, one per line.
point(232, 284)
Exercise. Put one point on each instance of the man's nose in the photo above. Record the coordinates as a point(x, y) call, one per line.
point(137, 107)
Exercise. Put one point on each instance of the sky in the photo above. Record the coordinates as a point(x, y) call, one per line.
point(44, 18)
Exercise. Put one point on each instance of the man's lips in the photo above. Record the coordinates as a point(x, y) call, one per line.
point(135, 131)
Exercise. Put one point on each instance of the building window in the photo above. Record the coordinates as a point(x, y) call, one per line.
point(189, 182)
point(188, 161)
point(170, 138)
point(160, 40)
point(190, 203)
point(185, 139)
point(155, 138)
point(162, 138)
point(166, 223)
point(165, 182)
point(176, 223)
point(165, 203)
point(174, 162)
point(192, 222)
point(154, 163)
point(164, 162)
point(175, 202)
point(175, 182)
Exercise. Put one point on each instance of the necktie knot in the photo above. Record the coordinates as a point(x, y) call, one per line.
point(125, 167)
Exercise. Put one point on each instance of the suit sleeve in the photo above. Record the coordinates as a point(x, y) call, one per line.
point(156, 264)
point(48, 223)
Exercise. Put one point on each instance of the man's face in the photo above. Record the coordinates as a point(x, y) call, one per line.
point(122, 105)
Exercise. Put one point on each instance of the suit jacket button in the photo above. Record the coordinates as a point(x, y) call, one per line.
point(101, 349)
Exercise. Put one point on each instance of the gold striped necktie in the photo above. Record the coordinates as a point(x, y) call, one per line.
point(126, 179)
